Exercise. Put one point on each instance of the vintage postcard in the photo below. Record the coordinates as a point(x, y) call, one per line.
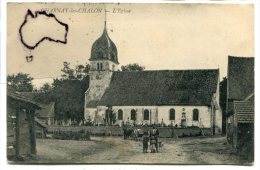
point(130, 83)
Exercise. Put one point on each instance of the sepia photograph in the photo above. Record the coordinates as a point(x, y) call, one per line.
point(130, 83)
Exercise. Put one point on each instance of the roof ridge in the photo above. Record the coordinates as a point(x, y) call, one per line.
point(217, 69)
point(241, 57)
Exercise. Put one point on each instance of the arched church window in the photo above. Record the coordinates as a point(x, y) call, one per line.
point(146, 114)
point(120, 114)
point(133, 114)
point(195, 114)
point(101, 66)
point(172, 114)
point(97, 66)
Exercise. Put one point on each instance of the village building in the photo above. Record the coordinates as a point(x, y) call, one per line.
point(46, 114)
point(181, 98)
point(21, 139)
point(240, 105)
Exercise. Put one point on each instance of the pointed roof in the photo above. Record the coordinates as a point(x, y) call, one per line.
point(104, 48)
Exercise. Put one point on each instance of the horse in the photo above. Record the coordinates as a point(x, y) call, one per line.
point(137, 133)
point(127, 132)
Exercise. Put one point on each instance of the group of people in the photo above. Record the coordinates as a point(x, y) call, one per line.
point(152, 135)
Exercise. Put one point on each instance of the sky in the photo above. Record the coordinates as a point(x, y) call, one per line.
point(157, 36)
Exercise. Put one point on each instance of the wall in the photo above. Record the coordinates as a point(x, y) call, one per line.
point(204, 115)
point(18, 134)
point(11, 138)
point(218, 121)
point(165, 132)
point(99, 81)
point(153, 114)
point(90, 113)
point(107, 65)
point(161, 112)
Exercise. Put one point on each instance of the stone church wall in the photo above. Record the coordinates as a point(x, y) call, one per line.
point(203, 121)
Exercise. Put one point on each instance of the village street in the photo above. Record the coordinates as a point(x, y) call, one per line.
point(210, 150)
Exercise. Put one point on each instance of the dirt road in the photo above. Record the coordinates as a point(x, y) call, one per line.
point(115, 150)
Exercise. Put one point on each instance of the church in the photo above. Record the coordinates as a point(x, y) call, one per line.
point(182, 98)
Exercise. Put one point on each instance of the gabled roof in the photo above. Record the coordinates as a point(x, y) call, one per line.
point(46, 111)
point(47, 108)
point(39, 122)
point(240, 77)
point(165, 87)
point(21, 98)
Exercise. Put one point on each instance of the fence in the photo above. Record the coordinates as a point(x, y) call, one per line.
point(164, 132)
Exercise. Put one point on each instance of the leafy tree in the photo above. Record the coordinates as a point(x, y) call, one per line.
point(132, 67)
point(20, 82)
point(69, 92)
point(68, 73)
point(46, 87)
point(69, 99)
point(223, 102)
point(110, 116)
point(78, 73)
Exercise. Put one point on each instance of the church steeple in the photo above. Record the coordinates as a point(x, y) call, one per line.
point(104, 48)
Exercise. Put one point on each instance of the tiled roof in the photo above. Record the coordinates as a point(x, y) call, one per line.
point(47, 108)
point(240, 77)
point(165, 87)
point(19, 97)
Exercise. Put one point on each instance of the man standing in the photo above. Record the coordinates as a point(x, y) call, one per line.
point(154, 133)
point(145, 141)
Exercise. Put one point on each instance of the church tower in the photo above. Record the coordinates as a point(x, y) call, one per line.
point(103, 61)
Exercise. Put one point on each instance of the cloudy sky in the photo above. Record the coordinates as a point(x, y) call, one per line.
point(158, 36)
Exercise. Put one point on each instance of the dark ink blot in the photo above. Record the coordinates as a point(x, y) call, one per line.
point(29, 13)
point(29, 58)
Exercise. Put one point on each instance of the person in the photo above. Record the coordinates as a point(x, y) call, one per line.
point(125, 131)
point(128, 122)
point(154, 134)
point(145, 141)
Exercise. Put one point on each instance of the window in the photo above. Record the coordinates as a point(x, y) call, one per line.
point(120, 114)
point(172, 114)
point(133, 114)
point(195, 114)
point(99, 66)
point(113, 67)
point(146, 114)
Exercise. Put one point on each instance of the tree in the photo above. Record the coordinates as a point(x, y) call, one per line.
point(110, 115)
point(46, 87)
point(78, 73)
point(132, 67)
point(20, 82)
point(69, 91)
point(223, 102)
point(69, 100)
point(68, 73)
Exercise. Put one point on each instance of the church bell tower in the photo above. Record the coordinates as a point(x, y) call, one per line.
point(103, 61)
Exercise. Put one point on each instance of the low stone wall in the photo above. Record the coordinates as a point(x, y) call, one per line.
point(164, 132)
